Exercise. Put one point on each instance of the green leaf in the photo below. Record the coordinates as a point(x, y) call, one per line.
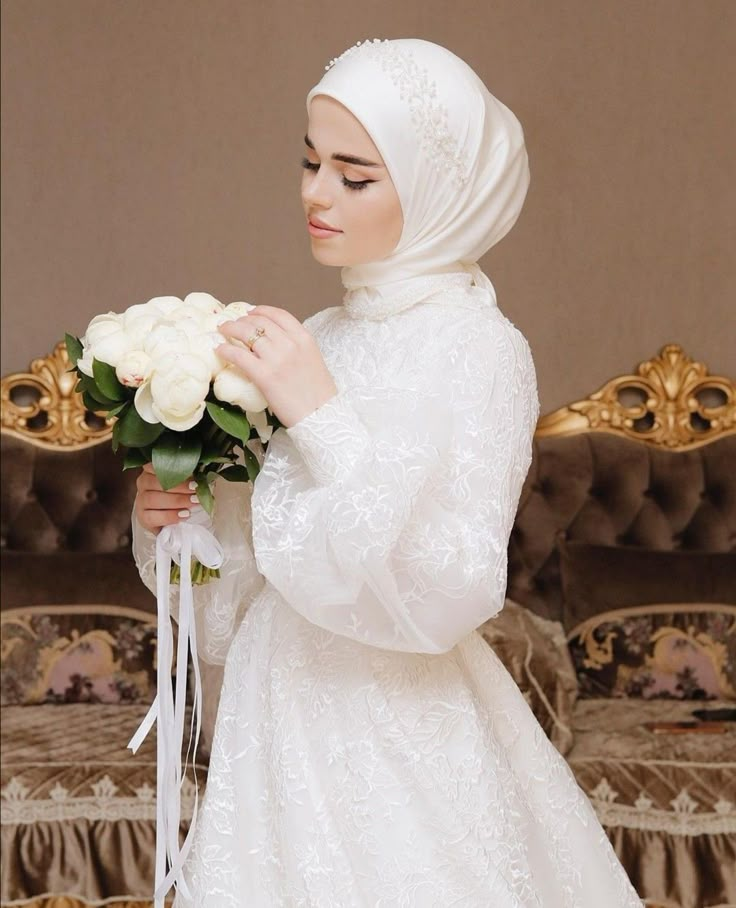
point(135, 432)
point(206, 498)
point(236, 473)
point(116, 435)
point(175, 458)
point(251, 463)
point(74, 348)
point(88, 385)
point(91, 404)
point(134, 457)
point(120, 408)
point(107, 380)
point(230, 419)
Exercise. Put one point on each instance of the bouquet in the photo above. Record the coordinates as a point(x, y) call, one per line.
point(177, 404)
point(180, 407)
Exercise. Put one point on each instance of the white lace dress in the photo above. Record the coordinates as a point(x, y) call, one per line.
point(370, 749)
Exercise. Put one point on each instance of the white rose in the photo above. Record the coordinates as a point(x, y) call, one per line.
point(175, 392)
point(234, 388)
point(133, 368)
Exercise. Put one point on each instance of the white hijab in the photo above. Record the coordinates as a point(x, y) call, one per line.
point(456, 156)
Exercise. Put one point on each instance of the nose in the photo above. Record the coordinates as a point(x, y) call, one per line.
point(315, 193)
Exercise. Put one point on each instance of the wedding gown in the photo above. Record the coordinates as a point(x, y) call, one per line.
point(370, 749)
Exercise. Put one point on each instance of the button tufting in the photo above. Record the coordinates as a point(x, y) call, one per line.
point(123, 540)
point(31, 495)
point(91, 495)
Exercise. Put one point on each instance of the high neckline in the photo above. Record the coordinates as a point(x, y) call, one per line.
point(379, 302)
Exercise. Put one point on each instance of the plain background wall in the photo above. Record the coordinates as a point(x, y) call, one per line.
point(152, 147)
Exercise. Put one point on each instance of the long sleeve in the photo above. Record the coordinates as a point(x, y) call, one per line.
point(385, 514)
point(219, 604)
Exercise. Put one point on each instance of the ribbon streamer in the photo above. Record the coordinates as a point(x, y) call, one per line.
point(182, 542)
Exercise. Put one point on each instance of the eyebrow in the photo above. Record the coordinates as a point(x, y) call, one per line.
point(347, 158)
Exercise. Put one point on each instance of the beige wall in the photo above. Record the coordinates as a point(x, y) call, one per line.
point(153, 146)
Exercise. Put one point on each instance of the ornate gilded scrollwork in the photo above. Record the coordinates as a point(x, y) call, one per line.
point(57, 417)
point(669, 407)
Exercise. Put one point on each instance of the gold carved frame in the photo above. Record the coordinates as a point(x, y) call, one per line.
point(665, 403)
point(668, 409)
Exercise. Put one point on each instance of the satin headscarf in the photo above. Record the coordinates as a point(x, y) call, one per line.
point(455, 153)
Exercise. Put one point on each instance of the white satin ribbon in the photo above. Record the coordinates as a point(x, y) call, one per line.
point(182, 542)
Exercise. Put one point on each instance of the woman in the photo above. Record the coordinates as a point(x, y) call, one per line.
point(370, 749)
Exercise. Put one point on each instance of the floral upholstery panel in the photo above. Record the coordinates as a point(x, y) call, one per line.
point(681, 651)
point(77, 654)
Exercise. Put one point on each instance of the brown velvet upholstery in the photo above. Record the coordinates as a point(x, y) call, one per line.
point(597, 487)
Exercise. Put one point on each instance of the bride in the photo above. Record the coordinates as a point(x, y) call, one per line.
point(370, 749)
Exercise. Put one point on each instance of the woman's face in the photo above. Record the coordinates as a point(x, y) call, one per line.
point(359, 200)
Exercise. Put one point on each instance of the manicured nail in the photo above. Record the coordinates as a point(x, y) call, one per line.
point(184, 513)
point(192, 485)
point(194, 498)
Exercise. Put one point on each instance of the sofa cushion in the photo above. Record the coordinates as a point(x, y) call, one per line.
point(74, 578)
point(77, 654)
point(669, 650)
point(597, 578)
point(534, 652)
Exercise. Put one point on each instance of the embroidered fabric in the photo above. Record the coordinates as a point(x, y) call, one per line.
point(369, 747)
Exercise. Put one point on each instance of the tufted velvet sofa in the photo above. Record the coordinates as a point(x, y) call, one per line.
point(643, 463)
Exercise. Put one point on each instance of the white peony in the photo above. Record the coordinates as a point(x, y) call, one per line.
point(133, 368)
point(234, 388)
point(234, 311)
point(203, 302)
point(175, 391)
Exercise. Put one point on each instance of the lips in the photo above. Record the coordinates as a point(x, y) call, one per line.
point(316, 222)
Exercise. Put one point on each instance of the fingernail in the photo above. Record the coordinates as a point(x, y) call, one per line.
point(194, 498)
point(192, 485)
point(184, 513)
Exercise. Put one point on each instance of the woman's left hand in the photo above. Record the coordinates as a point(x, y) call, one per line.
point(286, 364)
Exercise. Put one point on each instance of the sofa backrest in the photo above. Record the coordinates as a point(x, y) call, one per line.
point(647, 460)
point(66, 501)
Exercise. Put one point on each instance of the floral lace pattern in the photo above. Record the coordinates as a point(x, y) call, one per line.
point(370, 749)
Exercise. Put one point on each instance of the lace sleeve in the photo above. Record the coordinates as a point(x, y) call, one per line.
point(385, 514)
point(221, 603)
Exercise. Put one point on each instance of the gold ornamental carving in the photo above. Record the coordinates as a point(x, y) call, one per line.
point(57, 417)
point(669, 407)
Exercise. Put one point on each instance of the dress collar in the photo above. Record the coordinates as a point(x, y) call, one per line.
point(377, 303)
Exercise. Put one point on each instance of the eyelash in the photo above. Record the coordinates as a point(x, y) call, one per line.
point(351, 184)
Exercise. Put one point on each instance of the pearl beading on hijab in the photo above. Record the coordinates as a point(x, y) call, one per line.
point(429, 116)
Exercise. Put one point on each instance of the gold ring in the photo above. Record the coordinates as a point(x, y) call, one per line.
point(251, 340)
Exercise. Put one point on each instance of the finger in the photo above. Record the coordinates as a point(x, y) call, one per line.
point(167, 501)
point(244, 328)
point(250, 364)
point(285, 320)
point(158, 519)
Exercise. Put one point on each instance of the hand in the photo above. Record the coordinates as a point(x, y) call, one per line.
point(155, 507)
point(286, 364)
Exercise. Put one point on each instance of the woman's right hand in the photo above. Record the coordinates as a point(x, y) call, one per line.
point(155, 507)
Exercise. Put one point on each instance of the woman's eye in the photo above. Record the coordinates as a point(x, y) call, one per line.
point(351, 184)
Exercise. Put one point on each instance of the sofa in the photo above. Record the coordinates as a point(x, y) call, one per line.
point(620, 611)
